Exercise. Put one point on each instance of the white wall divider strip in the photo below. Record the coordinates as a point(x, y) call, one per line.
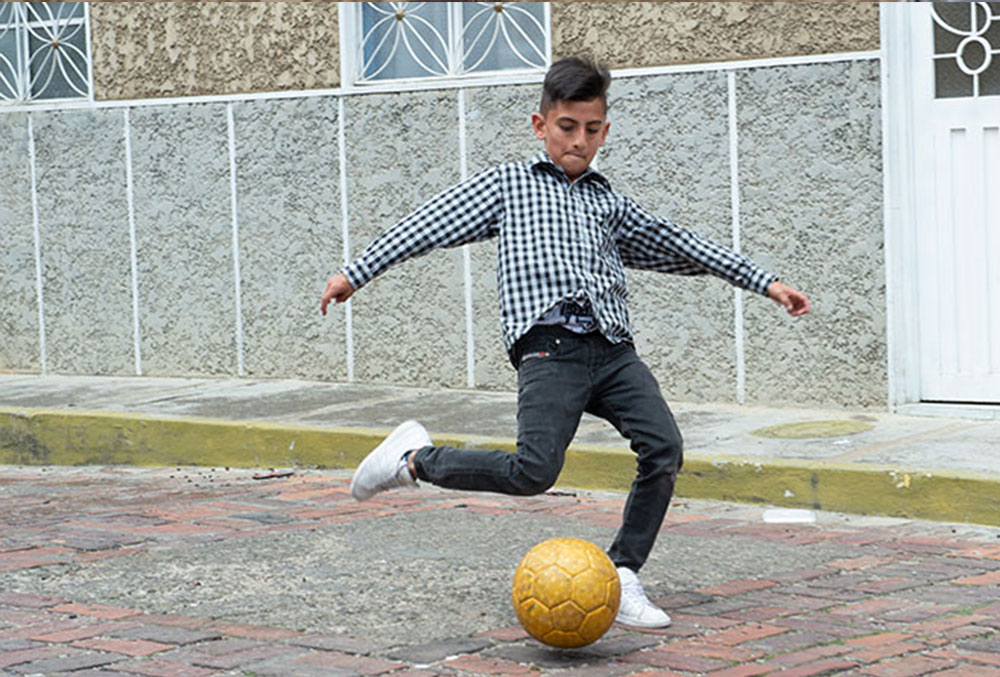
point(38, 247)
point(734, 198)
point(237, 295)
point(133, 245)
point(463, 169)
point(346, 231)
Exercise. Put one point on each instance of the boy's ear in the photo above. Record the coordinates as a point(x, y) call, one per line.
point(538, 124)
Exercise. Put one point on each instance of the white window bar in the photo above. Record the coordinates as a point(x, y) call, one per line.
point(428, 40)
point(966, 49)
point(43, 51)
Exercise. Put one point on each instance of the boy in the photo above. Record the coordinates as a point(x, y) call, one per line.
point(564, 239)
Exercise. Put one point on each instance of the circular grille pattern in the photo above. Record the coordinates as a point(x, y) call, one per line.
point(966, 47)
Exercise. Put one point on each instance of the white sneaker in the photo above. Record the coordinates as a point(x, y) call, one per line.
point(635, 608)
point(384, 468)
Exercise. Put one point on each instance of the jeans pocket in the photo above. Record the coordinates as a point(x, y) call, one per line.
point(539, 349)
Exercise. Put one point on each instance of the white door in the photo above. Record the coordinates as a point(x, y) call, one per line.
point(956, 141)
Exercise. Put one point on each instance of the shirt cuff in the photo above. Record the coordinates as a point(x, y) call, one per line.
point(357, 273)
point(760, 280)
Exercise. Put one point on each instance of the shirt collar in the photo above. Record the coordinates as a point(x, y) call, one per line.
point(542, 159)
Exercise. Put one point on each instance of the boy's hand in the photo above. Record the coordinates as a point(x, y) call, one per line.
point(337, 289)
point(795, 302)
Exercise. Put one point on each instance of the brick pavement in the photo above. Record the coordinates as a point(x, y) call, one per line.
point(912, 598)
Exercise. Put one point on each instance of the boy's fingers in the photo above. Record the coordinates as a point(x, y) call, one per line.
point(338, 289)
point(794, 301)
point(798, 304)
point(328, 295)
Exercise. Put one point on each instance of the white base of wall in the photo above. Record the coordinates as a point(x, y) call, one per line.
point(987, 412)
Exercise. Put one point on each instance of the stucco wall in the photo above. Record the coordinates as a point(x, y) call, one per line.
point(633, 34)
point(290, 235)
point(156, 49)
point(810, 189)
point(184, 240)
point(19, 349)
point(409, 324)
point(86, 270)
point(811, 180)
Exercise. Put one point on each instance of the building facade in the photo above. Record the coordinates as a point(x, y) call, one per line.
point(181, 215)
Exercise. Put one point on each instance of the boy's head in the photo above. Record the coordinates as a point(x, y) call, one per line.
point(573, 116)
point(575, 78)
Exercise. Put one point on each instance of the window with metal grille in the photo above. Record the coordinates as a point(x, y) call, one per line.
point(43, 51)
point(405, 40)
point(966, 49)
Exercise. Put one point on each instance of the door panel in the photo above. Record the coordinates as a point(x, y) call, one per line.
point(957, 155)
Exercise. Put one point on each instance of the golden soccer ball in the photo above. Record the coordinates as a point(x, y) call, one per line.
point(566, 592)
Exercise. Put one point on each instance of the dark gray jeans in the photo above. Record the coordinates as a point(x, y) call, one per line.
point(561, 375)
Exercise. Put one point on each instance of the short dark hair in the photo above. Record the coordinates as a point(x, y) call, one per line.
point(575, 78)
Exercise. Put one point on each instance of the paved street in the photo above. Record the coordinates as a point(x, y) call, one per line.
point(208, 571)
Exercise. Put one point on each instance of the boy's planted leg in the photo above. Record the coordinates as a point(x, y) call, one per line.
point(629, 397)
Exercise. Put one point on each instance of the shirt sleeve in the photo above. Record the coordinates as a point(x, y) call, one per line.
point(652, 243)
point(467, 212)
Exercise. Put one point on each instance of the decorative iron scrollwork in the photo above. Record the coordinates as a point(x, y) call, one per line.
point(966, 49)
point(428, 39)
point(43, 51)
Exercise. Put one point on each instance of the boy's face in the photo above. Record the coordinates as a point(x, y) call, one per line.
point(572, 132)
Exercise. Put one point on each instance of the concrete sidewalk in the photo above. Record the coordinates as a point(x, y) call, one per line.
point(860, 462)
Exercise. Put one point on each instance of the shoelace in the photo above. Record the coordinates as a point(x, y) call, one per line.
point(398, 479)
point(633, 589)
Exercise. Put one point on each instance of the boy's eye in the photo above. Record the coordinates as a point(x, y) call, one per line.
point(566, 128)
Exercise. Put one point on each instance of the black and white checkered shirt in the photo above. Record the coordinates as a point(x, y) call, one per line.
point(558, 240)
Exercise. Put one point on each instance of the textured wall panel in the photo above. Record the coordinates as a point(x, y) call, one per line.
point(83, 221)
point(409, 324)
point(498, 129)
point(810, 163)
point(153, 49)
point(290, 236)
point(633, 34)
point(19, 347)
point(184, 235)
point(668, 149)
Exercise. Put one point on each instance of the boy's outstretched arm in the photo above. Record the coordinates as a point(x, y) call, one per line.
point(652, 243)
point(794, 301)
point(467, 212)
point(337, 289)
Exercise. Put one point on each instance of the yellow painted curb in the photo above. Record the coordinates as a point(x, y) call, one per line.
point(846, 487)
point(81, 437)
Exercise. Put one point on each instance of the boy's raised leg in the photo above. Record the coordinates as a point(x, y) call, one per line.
point(553, 388)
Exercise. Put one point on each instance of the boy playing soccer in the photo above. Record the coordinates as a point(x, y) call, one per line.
point(565, 237)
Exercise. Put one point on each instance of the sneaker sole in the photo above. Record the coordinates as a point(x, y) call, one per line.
point(644, 626)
